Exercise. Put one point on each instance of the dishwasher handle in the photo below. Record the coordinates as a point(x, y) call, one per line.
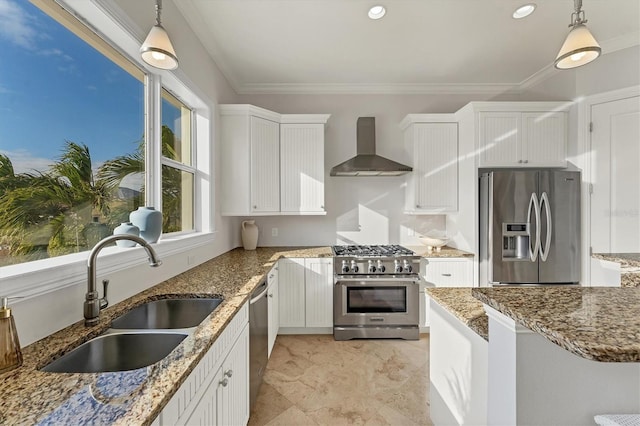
point(254, 299)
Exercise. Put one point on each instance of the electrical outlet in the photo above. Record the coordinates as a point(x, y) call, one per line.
point(274, 232)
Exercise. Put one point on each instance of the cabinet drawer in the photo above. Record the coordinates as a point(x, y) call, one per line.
point(449, 273)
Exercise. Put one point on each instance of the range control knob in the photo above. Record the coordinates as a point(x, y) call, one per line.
point(345, 267)
point(397, 267)
point(381, 267)
point(408, 267)
point(372, 268)
point(354, 267)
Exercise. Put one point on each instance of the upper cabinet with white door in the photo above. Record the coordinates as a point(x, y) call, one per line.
point(272, 164)
point(302, 165)
point(431, 142)
point(522, 134)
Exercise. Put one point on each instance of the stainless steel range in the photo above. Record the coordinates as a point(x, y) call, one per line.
point(376, 293)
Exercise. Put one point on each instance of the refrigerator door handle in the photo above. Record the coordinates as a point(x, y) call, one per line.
point(534, 206)
point(544, 252)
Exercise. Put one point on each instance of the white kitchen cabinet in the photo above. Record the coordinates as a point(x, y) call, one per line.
point(522, 139)
point(273, 300)
point(431, 141)
point(291, 276)
point(449, 272)
point(217, 390)
point(319, 292)
point(271, 164)
point(302, 168)
point(250, 161)
point(306, 295)
point(265, 166)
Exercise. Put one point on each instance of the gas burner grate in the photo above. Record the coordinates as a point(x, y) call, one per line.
point(371, 250)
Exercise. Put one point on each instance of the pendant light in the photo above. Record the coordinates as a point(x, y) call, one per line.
point(157, 49)
point(580, 47)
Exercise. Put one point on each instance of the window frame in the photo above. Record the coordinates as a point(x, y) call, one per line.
point(102, 17)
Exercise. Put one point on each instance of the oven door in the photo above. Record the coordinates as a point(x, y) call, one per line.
point(376, 302)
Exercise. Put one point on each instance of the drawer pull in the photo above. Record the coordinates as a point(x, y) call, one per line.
point(228, 373)
point(446, 275)
point(224, 382)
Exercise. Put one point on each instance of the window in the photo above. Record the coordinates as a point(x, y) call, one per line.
point(72, 137)
point(177, 172)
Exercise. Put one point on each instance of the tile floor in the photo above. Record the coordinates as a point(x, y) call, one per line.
point(314, 380)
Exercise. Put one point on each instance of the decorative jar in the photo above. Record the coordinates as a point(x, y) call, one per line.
point(126, 228)
point(149, 220)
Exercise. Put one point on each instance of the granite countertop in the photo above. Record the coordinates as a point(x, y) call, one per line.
point(596, 323)
point(629, 266)
point(29, 396)
point(444, 252)
point(461, 303)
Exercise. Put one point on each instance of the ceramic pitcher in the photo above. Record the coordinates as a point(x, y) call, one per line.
point(249, 234)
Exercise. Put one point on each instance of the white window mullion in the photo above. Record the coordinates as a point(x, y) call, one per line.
point(153, 157)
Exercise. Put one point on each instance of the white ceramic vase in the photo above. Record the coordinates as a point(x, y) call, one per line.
point(249, 234)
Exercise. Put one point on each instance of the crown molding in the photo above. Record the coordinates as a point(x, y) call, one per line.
point(375, 89)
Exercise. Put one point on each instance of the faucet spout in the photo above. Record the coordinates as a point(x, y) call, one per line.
point(93, 303)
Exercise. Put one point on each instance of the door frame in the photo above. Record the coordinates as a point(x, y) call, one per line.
point(584, 146)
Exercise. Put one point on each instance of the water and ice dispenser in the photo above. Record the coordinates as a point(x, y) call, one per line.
point(515, 241)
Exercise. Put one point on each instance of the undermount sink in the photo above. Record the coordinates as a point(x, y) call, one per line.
point(116, 352)
point(167, 314)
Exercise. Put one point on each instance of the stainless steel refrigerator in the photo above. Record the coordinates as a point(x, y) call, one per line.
point(529, 227)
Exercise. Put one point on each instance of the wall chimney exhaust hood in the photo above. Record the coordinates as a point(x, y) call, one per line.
point(366, 162)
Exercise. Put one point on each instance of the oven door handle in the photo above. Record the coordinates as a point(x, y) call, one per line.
point(369, 281)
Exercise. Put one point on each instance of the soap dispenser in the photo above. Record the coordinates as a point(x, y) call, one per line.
point(10, 353)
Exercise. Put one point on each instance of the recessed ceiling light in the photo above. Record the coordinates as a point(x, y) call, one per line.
point(377, 12)
point(524, 11)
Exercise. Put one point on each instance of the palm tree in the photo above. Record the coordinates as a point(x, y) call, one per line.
point(52, 213)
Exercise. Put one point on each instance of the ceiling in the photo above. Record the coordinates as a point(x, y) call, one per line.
point(420, 46)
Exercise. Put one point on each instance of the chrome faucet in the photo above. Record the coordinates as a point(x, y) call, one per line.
point(93, 303)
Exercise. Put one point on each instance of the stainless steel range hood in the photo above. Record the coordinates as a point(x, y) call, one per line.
point(366, 162)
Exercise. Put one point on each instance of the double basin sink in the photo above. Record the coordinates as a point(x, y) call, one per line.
point(141, 337)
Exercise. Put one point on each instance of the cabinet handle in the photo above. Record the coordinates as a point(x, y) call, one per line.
point(228, 373)
point(446, 275)
point(322, 207)
point(526, 161)
point(271, 295)
point(270, 275)
point(417, 206)
point(255, 207)
point(224, 382)
point(519, 161)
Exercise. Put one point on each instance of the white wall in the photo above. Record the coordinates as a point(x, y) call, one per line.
point(39, 316)
point(365, 210)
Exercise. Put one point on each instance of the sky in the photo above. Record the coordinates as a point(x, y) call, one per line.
point(54, 87)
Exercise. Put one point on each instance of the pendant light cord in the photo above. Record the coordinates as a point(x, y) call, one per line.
point(159, 11)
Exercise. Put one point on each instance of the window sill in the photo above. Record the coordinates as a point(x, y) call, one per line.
point(42, 276)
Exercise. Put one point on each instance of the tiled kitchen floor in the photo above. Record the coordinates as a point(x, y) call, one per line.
point(314, 380)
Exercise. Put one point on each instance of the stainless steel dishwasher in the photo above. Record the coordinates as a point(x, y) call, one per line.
point(258, 339)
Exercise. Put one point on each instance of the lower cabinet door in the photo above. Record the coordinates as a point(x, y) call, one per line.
point(274, 314)
point(319, 292)
point(206, 412)
point(291, 277)
point(233, 389)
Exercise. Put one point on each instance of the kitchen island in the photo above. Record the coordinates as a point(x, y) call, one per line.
point(555, 355)
point(560, 355)
point(30, 396)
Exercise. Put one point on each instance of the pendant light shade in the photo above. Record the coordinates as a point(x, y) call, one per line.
point(580, 47)
point(157, 49)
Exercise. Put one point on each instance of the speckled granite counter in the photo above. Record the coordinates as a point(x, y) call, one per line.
point(629, 266)
point(29, 396)
point(461, 303)
point(596, 323)
point(445, 251)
